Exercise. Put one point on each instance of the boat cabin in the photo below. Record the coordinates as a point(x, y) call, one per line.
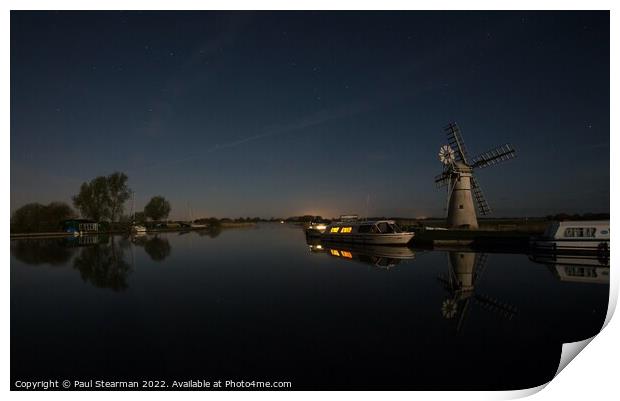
point(364, 227)
point(79, 226)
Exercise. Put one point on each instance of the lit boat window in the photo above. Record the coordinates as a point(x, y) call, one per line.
point(334, 252)
point(346, 254)
point(334, 229)
point(345, 230)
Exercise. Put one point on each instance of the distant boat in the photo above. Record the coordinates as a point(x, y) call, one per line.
point(79, 227)
point(315, 229)
point(138, 229)
point(574, 237)
point(193, 225)
point(379, 232)
point(135, 228)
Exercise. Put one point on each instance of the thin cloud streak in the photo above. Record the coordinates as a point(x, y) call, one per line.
point(319, 118)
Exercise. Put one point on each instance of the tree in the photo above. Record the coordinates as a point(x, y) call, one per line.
point(103, 197)
point(35, 217)
point(93, 201)
point(26, 218)
point(139, 217)
point(119, 194)
point(56, 212)
point(158, 208)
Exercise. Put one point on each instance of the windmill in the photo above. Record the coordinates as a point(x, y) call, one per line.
point(458, 177)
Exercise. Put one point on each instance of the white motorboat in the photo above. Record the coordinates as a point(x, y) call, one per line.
point(574, 237)
point(138, 229)
point(315, 230)
point(379, 232)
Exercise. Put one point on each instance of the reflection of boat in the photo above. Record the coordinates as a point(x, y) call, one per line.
point(578, 269)
point(380, 256)
point(83, 240)
point(316, 248)
point(380, 232)
point(574, 237)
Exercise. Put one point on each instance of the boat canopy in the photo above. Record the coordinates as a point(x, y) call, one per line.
point(362, 227)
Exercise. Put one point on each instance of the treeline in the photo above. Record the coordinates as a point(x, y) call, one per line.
point(35, 217)
point(584, 216)
point(307, 218)
point(102, 200)
point(293, 219)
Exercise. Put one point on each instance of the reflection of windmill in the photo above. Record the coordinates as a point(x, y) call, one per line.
point(458, 177)
point(463, 274)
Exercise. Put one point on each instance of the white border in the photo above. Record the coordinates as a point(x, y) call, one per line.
point(592, 375)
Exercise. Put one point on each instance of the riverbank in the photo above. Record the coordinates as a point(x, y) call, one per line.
point(61, 234)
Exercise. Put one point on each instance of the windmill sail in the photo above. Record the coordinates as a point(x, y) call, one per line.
point(494, 305)
point(442, 179)
point(480, 265)
point(483, 206)
point(455, 139)
point(494, 156)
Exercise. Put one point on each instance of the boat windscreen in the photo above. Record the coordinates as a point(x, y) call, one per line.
point(385, 228)
point(396, 228)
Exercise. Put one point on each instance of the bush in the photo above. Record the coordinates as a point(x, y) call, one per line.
point(35, 217)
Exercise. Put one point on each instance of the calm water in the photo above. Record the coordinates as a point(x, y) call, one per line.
point(262, 304)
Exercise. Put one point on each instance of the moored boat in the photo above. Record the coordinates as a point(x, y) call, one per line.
point(574, 237)
point(138, 229)
point(315, 230)
point(378, 232)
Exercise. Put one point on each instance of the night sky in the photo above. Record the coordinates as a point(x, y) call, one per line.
point(277, 114)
